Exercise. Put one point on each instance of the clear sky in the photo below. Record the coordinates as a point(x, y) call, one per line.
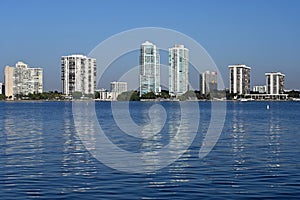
point(264, 34)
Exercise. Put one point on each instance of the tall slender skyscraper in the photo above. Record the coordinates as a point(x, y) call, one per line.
point(78, 74)
point(239, 79)
point(275, 83)
point(149, 69)
point(9, 81)
point(178, 70)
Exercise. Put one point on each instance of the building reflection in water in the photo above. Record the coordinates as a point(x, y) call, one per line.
point(238, 143)
point(274, 142)
point(261, 146)
point(153, 153)
point(76, 161)
point(178, 136)
point(23, 149)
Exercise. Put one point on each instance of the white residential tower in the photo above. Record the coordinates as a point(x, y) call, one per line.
point(149, 72)
point(78, 74)
point(275, 83)
point(23, 80)
point(178, 70)
point(239, 79)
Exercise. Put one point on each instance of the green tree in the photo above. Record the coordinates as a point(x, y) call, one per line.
point(149, 95)
point(97, 95)
point(77, 95)
point(189, 95)
point(2, 97)
point(128, 96)
point(164, 94)
point(293, 94)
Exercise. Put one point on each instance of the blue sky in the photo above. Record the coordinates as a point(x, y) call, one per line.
point(263, 34)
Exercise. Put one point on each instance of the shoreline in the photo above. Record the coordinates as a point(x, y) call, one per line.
point(149, 100)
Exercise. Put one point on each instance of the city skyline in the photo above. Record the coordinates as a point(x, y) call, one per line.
point(229, 31)
point(78, 74)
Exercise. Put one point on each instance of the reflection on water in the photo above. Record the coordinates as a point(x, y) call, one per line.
point(23, 148)
point(178, 169)
point(178, 135)
point(152, 142)
point(256, 145)
point(156, 150)
point(76, 161)
point(274, 141)
point(238, 141)
point(257, 155)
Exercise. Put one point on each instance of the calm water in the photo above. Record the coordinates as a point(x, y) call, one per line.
point(257, 155)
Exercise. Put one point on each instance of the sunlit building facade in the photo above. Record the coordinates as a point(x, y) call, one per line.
point(78, 74)
point(239, 79)
point(118, 87)
point(23, 80)
point(261, 89)
point(9, 82)
point(178, 70)
point(275, 83)
point(149, 70)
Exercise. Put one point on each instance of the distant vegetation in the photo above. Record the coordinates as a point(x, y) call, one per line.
point(41, 96)
point(164, 94)
point(189, 95)
point(134, 96)
point(51, 95)
point(2, 97)
point(293, 94)
point(129, 96)
point(79, 95)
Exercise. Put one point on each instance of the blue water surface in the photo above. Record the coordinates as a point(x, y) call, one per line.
point(257, 155)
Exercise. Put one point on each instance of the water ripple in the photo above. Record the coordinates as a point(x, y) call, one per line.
point(257, 156)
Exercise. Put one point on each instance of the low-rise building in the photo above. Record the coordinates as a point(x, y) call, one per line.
point(261, 89)
point(105, 95)
point(118, 87)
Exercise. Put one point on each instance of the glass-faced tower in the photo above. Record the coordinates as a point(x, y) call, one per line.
point(149, 69)
point(178, 70)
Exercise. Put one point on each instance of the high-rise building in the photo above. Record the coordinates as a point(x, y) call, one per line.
point(78, 74)
point(118, 87)
point(149, 69)
point(27, 80)
point(208, 82)
point(178, 70)
point(9, 82)
point(275, 83)
point(2, 88)
point(23, 80)
point(239, 79)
